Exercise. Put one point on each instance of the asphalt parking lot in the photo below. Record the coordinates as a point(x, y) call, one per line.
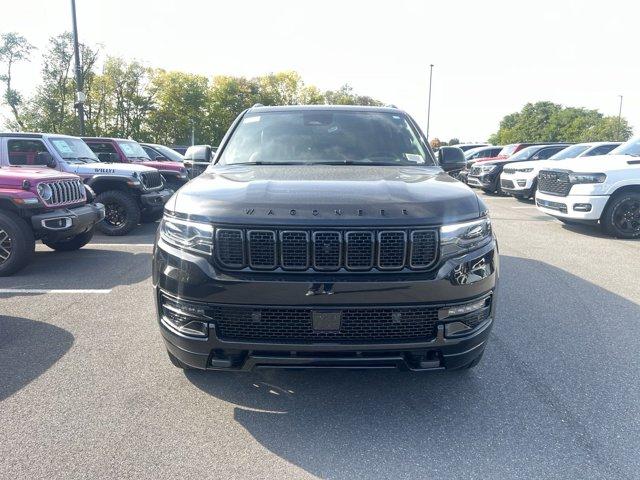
point(86, 389)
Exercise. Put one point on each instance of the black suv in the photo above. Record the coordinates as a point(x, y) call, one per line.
point(325, 236)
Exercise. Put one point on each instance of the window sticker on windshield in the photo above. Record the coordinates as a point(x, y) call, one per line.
point(251, 119)
point(63, 147)
point(414, 157)
point(127, 149)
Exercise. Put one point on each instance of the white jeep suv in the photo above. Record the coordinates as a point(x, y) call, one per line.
point(604, 189)
point(520, 179)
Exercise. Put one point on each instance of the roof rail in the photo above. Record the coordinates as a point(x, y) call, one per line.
point(257, 105)
point(391, 105)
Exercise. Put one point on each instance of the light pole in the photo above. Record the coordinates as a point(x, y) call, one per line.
point(429, 104)
point(619, 119)
point(80, 96)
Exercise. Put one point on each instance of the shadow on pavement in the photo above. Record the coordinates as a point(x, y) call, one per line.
point(547, 400)
point(87, 268)
point(28, 349)
point(143, 233)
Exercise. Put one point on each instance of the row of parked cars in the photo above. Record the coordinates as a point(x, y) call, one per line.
point(595, 183)
point(59, 189)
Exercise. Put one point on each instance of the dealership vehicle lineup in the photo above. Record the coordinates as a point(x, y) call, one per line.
point(314, 238)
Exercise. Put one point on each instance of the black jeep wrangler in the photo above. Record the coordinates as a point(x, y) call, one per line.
point(325, 236)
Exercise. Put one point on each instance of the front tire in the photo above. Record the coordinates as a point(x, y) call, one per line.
point(621, 216)
point(71, 244)
point(17, 243)
point(122, 213)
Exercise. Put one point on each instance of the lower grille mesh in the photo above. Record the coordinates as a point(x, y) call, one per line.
point(357, 324)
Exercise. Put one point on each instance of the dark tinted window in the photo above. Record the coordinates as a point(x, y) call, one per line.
point(151, 152)
point(324, 136)
point(547, 152)
point(25, 152)
point(601, 150)
point(102, 147)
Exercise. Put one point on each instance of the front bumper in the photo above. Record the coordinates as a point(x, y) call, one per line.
point(572, 206)
point(515, 185)
point(67, 222)
point(156, 200)
point(486, 182)
point(182, 277)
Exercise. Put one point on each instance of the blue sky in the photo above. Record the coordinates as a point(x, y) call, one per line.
point(490, 57)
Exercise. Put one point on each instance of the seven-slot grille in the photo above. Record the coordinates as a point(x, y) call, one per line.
point(554, 183)
point(475, 171)
point(151, 179)
point(326, 250)
point(66, 192)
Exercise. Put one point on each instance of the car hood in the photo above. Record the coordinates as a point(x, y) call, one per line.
point(597, 163)
point(14, 176)
point(535, 164)
point(330, 195)
point(165, 166)
point(126, 169)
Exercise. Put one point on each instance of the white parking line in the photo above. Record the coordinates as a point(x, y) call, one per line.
point(120, 245)
point(53, 290)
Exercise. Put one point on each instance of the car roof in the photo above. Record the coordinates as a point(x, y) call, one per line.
point(109, 138)
point(333, 108)
point(33, 134)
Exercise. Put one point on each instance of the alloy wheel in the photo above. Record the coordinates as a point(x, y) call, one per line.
point(5, 246)
point(115, 214)
point(626, 216)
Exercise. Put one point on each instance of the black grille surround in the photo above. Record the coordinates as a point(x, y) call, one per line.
point(554, 182)
point(151, 180)
point(357, 324)
point(325, 249)
point(506, 183)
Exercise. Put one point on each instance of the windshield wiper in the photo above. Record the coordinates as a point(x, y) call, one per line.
point(270, 163)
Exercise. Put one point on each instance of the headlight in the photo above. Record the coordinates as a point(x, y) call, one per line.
point(524, 170)
point(587, 177)
point(45, 192)
point(194, 236)
point(488, 168)
point(461, 237)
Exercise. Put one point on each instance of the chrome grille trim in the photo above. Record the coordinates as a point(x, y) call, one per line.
point(65, 192)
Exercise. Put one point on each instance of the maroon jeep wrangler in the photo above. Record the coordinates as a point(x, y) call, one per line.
point(42, 204)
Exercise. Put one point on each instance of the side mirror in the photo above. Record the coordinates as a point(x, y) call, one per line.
point(109, 157)
point(45, 158)
point(208, 154)
point(451, 158)
point(160, 158)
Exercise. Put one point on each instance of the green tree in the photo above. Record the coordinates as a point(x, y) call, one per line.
point(51, 109)
point(119, 99)
point(454, 141)
point(14, 48)
point(345, 96)
point(551, 122)
point(178, 104)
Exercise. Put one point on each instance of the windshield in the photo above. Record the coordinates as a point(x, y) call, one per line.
point(508, 150)
point(632, 147)
point(570, 152)
point(473, 151)
point(169, 153)
point(133, 150)
point(73, 150)
point(525, 153)
point(325, 137)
